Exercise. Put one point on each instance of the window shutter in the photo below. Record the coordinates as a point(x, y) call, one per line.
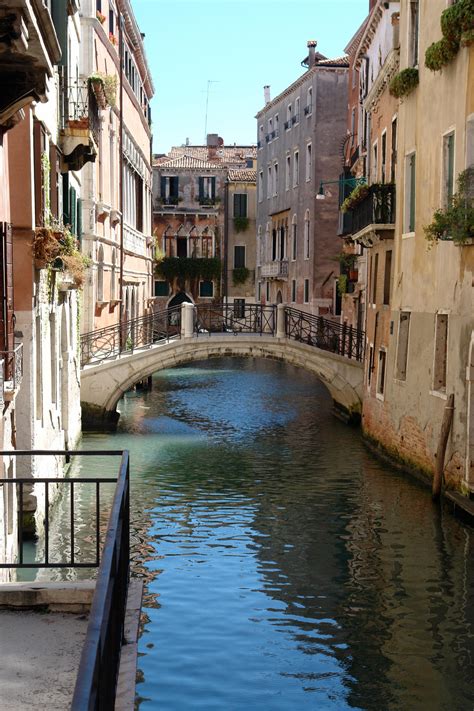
point(174, 186)
point(66, 200)
point(213, 188)
point(73, 210)
point(450, 166)
point(163, 187)
point(201, 189)
point(412, 192)
point(79, 219)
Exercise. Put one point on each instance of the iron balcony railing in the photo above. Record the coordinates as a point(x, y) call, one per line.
point(79, 106)
point(377, 208)
point(129, 336)
point(12, 369)
point(98, 669)
point(235, 318)
point(325, 334)
point(172, 200)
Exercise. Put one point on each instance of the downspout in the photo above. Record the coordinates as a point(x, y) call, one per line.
point(226, 239)
point(121, 290)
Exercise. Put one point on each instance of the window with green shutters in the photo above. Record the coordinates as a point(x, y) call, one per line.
point(410, 193)
point(207, 189)
point(240, 205)
point(161, 288)
point(448, 168)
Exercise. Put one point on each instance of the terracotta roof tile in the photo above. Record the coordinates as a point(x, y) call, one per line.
point(183, 161)
point(242, 175)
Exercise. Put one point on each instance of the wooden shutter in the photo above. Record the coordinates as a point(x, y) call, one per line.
point(201, 189)
point(450, 168)
point(163, 187)
point(6, 289)
point(66, 200)
point(213, 188)
point(411, 226)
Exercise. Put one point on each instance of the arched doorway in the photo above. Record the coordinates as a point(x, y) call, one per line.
point(180, 298)
point(279, 297)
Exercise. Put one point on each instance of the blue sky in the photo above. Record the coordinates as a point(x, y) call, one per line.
point(238, 44)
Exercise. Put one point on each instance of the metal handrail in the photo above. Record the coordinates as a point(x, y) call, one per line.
point(235, 318)
point(128, 336)
point(324, 333)
point(98, 669)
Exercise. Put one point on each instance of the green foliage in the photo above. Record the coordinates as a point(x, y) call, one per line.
point(457, 26)
point(241, 224)
point(346, 260)
point(240, 275)
point(56, 248)
point(109, 86)
point(404, 82)
point(455, 222)
point(171, 268)
point(440, 53)
point(357, 195)
point(342, 284)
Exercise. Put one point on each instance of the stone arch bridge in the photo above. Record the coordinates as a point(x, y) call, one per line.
point(116, 358)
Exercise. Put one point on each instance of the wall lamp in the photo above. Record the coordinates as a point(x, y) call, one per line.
point(352, 182)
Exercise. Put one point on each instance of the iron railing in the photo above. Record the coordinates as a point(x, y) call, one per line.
point(378, 208)
point(98, 669)
point(325, 334)
point(12, 367)
point(235, 318)
point(129, 336)
point(79, 104)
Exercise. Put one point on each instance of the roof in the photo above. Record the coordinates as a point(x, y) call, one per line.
point(337, 62)
point(204, 157)
point(184, 161)
point(242, 175)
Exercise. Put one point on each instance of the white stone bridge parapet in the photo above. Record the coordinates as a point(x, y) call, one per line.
point(103, 382)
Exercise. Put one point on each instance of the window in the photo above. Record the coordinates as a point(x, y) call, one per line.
point(113, 275)
point(387, 277)
point(267, 290)
point(306, 291)
point(260, 136)
point(375, 269)
point(309, 162)
point(207, 189)
point(309, 102)
point(293, 290)
point(240, 205)
point(375, 161)
point(288, 173)
point(414, 31)
point(259, 291)
point(448, 169)
point(274, 245)
point(169, 189)
point(470, 142)
point(353, 123)
point(260, 186)
point(161, 288)
point(239, 308)
point(277, 125)
point(206, 289)
point(370, 365)
point(100, 274)
point(239, 256)
point(296, 169)
point(394, 151)
point(410, 192)
point(294, 234)
point(275, 180)
point(381, 373)
point(296, 116)
point(282, 250)
point(259, 246)
point(288, 117)
point(111, 22)
point(441, 353)
point(269, 182)
point(384, 156)
point(307, 226)
point(402, 348)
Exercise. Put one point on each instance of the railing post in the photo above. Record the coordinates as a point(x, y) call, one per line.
point(187, 320)
point(280, 325)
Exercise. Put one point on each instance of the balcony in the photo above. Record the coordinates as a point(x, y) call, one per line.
point(80, 125)
point(134, 241)
point(170, 200)
point(275, 270)
point(377, 208)
point(11, 371)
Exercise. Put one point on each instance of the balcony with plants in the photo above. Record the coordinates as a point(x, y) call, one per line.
point(372, 207)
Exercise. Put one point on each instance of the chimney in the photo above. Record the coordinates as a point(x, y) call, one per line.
point(311, 44)
point(212, 140)
point(187, 141)
point(266, 93)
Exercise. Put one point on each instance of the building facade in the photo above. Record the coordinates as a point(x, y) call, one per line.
point(300, 134)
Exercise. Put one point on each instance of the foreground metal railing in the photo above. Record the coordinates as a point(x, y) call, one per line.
point(97, 676)
point(129, 336)
point(235, 318)
point(325, 334)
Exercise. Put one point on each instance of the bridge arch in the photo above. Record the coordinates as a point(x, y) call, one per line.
point(103, 384)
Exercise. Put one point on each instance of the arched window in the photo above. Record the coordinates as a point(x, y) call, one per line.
point(100, 274)
point(307, 227)
point(194, 242)
point(181, 243)
point(207, 241)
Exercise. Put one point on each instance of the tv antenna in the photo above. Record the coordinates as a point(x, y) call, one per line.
point(209, 82)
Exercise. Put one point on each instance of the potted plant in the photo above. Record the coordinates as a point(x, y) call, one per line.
point(455, 222)
point(100, 17)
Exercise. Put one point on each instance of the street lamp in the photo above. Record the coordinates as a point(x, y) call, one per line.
point(353, 182)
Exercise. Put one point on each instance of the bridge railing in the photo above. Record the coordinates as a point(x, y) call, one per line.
point(129, 336)
point(325, 334)
point(235, 318)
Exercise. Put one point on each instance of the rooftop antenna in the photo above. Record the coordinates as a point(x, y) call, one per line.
point(209, 82)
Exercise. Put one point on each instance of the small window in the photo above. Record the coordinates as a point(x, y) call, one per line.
point(441, 353)
point(448, 169)
point(402, 348)
point(309, 162)
point(206, 289)
point(275, 180)
point(370, 365)
point(393, 158)
point(306, 291)
point(267, 291)
point(296, 169)
point(240, 205)
point(239, 256)
point(387, 278)
point(288, 173)
point(260, 186)
point(414, 32)
point(410, 193)
point(381, 373)
point(269, 182)
point(309, 102)
point(296, 116)
point(161, 288)
point(293, 290)
point(375, 270)
point(294, 235)
point(307, 232)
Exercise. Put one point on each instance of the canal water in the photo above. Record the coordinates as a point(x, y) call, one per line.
point(286, 568)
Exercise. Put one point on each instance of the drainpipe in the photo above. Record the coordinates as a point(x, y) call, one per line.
point(121, 290)
point(226, 240)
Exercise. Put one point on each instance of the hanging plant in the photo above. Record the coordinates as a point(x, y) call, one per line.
point(359, 193)
point(54, 247)
point(457, 26)
point(104, 87)
point(342, 284)
point(240, 275)
point(100, 17)
point(404, 82)
point(241, 224)
point(440, 53)
point(455, 222)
